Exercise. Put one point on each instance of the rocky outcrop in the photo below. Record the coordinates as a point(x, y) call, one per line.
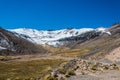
point(81, 67)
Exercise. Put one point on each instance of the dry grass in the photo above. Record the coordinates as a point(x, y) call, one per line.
point(55, 49)
point(26, 70)
point(72, 53)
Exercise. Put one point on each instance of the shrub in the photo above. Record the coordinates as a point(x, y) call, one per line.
point(62, 71)
point(71, 73)
point(52, 78)
point(67, 75)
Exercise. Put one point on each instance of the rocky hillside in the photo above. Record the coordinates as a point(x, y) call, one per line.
point(96, 44)
point(11, 44)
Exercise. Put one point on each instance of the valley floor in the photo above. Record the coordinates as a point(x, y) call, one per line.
point(30, 67)
point(33, 57)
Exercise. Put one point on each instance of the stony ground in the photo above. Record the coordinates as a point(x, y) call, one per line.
point(104, 75)
point(83, 69)
point(114, 55)
point(79, 69)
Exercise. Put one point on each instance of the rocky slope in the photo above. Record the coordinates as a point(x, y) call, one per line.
point(96, 44)
point(11, 44)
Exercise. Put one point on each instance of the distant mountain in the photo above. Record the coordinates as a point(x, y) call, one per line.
point(94, 43)
point(53, 38)
point(97, 45)
point(84, 36)
point(11, 44)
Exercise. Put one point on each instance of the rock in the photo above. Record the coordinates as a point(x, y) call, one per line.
point(54, 74)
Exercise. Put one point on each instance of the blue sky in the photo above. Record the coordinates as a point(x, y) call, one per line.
point(58, 14)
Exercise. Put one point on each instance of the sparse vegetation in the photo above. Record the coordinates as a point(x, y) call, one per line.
point(4, 58)
point(27, 70)
point(52, 78)
point(61, 71)
point(67, 76)
point(72, 53)
point(71, 72)
point(94, 67)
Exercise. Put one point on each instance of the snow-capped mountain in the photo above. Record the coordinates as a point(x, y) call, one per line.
point(50, 37)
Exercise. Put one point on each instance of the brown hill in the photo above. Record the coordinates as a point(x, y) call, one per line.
point(11, 44)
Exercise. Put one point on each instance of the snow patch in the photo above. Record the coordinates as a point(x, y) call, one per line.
point(1, 48)
point(103, 30)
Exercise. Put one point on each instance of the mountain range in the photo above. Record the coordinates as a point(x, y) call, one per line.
point(31, 41)
point(53, 38)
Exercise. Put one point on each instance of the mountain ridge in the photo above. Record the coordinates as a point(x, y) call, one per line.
point(51, 37)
